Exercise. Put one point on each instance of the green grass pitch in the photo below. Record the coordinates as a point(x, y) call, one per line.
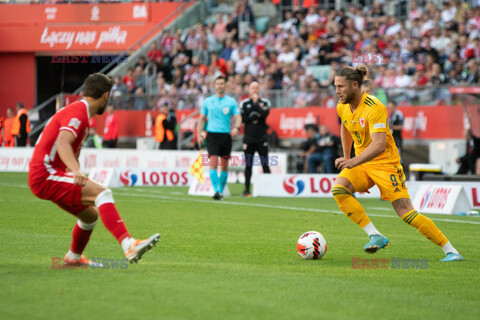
point(234, 259)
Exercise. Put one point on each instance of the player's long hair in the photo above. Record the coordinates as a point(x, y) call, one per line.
point(96, 85)
point(354, 74)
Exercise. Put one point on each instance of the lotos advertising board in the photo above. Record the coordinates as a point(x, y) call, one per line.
point(128, 177)
point(444, 199)
point(301, 185)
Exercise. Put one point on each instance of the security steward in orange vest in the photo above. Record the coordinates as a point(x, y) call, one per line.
point(8, 139)
point(164, 128)
point(21, 126)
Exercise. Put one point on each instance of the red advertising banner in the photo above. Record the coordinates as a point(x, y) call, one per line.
point(72, 14)
point(290, 122)
point(442, 122)
point(101, 27)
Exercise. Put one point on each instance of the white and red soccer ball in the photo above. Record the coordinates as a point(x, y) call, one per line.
point(311, 245)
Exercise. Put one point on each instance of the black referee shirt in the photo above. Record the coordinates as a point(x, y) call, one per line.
point(254, 116)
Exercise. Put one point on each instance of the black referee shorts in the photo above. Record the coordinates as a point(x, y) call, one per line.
point(219, 144)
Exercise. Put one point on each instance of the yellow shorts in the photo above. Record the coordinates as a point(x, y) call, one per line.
point(389, 178)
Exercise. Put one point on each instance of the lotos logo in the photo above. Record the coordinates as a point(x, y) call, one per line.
point(127, 178)
point(425, 198)
point(293, 187)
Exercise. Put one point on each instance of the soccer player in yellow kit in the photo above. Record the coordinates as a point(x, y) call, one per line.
point(377, 162)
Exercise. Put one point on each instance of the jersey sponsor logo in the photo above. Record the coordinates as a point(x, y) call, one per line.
point(127, 178)
point(379, 126)
point(225, 110)
point(294, 186)
point(75, 123)
point(362, 122)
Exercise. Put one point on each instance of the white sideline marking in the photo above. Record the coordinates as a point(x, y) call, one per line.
point(141, 193)
point(379, 209)
point(14, 185)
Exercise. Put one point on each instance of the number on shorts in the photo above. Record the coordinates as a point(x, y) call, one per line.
point(394, 180)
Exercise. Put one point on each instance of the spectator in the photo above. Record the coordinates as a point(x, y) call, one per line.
point(8, 138)
point(140, 100)
point(227, 50)
point(129, 80)
point(165, 124)
point(218, 63)
point(154, 53)
point(395, 122)
point(21, 126)
point(141, 63)
point(243, 63)
point(322, 151)
point(93, 140)
point(415, 11)
point(308, 146)
point(220, 29)
point(139, 78)
point(468, 161)
point(111, 128)
point(244, 19)
point(119, 86)
point(286, 56)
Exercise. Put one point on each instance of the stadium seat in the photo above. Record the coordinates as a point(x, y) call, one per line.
point(321, 73)
point(261, 24)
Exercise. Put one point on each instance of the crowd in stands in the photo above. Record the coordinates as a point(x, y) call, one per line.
point(435, 46)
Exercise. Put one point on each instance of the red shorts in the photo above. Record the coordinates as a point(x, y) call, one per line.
point(58, 188)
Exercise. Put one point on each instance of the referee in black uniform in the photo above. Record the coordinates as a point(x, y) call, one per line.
point(254, 114)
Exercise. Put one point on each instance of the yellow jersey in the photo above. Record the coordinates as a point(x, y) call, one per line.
point(370, 116)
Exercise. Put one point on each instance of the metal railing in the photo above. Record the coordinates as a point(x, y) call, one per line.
point(292, 97)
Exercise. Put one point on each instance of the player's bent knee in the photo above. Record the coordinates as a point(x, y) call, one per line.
point(105, 196)
point(88, 218)
point(340, 193)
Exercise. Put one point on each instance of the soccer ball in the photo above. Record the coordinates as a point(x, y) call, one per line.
point(311, 245)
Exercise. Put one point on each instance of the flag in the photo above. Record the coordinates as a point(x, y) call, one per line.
point(197, 168)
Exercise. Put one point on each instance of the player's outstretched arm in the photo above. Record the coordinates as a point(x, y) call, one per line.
point(65, 151)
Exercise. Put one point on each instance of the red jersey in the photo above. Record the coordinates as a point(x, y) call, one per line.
point(112, 125)
point(45, 159)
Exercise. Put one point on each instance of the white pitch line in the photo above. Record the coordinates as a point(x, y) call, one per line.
point(379, 209)
point(258, 205)
point(14, 185)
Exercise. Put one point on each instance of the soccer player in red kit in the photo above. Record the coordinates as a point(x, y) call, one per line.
point(55, 175)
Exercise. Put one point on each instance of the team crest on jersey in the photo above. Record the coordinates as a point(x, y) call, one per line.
point(74, 122)
point(362, 122)
point(226, 110)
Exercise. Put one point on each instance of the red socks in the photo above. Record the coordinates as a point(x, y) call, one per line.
point(112, 221)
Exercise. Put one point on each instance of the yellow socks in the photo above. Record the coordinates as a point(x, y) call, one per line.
point(349, 205)
point(426, 227)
